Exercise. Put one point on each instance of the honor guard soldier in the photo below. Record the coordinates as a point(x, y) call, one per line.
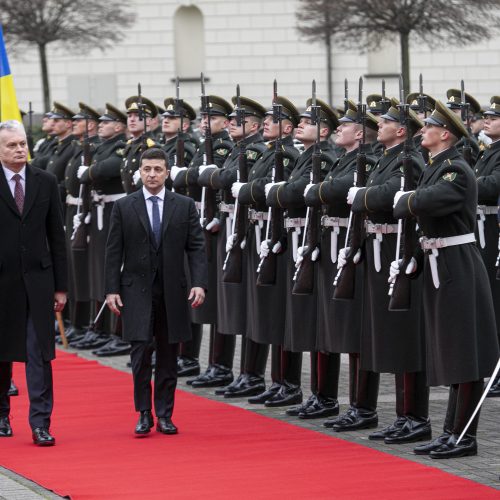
point(377, 105)
point(156, 125)
point(266, 301)
point(44, 146)
point(487, 172)
point(339, 321)
point(454, 103)
point(214, 122)
point(301, 310)
point(140, 112)
point(461, 345)
point(77, 208)
point(103, 179)
point(63, 130)
point(244, 130)
point(175, 121)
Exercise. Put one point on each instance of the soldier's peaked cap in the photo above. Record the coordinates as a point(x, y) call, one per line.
point(326, 114)
point(288, 110)
point(86, 113)
point(413, 101)
point(132, 106)
point(351, 116)
point(455, 96)
point(218, 106)
point(251, 107)
point(394, 115)
point(442, 116)
point(60, 111)
point(171, 109)
point(375, 103)
point(112, 114)
point(494, 109)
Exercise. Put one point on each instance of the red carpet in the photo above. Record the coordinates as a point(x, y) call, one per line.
point(221, 451)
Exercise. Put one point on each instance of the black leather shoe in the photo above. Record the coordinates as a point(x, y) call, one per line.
point(414, 429)
point(261, 398)
point(201, 376)
point(165, 426)
point(386, 431)
point(356, 419)
point(145, 423)
point(5, 428)
point(91, 340)
point(425, 449)
point(289, 394)
point(295, 410)
point(216, 376)
point(494, 391)
point(467, 447)
point(249, 386)
point(13, 390)
point(187, 367)
point(115, 347)
point(42, 437)
point(322, 407)
point(235, 383)
point(71, 334)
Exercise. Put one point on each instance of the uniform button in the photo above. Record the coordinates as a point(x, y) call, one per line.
point(143, 290)
point(23, 249)
point(142, 275)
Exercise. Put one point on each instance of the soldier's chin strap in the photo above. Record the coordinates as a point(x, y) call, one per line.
point(478, 407)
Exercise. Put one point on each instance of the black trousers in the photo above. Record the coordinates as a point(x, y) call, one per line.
point(38, 379)
point(165, 380)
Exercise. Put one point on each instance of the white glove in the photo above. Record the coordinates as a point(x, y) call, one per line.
point(277, 247)
point(235, 188)
point(352, 194)
point(76, 222)
point(202, 168)
point(136, 177)
point(268, 186)
point(264, 249)
point(300, 255)
point(395, 268)
point(175, 171)
point(81, 171)
point(309, 186)
point(213, 225)
point(342, 259)
point(398, 195)
point(230, 242)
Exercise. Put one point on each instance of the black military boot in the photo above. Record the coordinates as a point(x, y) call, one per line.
point(290, 392)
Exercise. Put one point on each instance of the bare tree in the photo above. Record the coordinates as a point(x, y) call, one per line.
point(365, 24)
point(75, 25)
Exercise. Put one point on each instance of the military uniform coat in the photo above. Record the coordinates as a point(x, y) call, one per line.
point(391, 341)
point(460, 331)
point(132, 152)
point(301, 310)
point(44, 152)
point(32, 264)
point(58, 161)
point(487, 172)
point(130, 243)
point(265, 304)
point(170, 147)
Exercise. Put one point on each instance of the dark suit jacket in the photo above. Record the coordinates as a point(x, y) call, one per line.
point(129, 244)
point(32, 263)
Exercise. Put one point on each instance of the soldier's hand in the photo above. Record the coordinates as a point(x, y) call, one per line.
point(175, 171)
point(136, 177)
point(230, 242)
point(202, 168)
point(81, 170)
point(59, 301)
point(197, 295)
point(315, 254)
point(306, 190)
point(270, 185)
point(394, 270)
point(214, 225)
point(114, 302)
point(264, 249)
point(344, 252)
point(236, 187)
point(398, 195)
point(352, 194)
point(76, 222)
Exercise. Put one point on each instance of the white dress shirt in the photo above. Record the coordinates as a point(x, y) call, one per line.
point(149, 203)
point(12, 184)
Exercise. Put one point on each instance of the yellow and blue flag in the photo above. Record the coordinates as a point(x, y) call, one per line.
point(9, 110)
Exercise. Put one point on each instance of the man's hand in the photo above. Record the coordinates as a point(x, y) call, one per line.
point(306, 190)
point(59, 301)
point(235, 188)
point(114, 301)
point(202, 168)
point(352, 194)
point(76, 222)
point(197, 294)
point(231, 240)
point(213, 226)
point(344, 252)
point(270, 185)
point(396, 267)
point(398, 195)
point(175, 171)
point(136, 177)
point(81, 170)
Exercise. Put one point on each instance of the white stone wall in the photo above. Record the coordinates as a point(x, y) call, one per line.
point(250, 42)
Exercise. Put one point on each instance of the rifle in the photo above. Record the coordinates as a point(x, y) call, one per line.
point(384, 102)
point(345, 279)
point(304, 275)
point(208, 195)
point(29, 133)
point(266, 271)
point(179, 145)
point(232, 270)
point(79, 240)
point(422, 107)
point(400, 289)
point(464, 109)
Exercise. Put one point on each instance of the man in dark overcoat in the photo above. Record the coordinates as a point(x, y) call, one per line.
point(151, 232)
point(32, 278)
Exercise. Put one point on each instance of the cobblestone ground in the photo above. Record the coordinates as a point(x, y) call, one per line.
point(484, 468)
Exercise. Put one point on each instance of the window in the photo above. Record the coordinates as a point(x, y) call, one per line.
point(189, 39)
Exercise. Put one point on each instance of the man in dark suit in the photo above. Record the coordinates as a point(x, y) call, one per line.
point(151, 234)
point(32, 278)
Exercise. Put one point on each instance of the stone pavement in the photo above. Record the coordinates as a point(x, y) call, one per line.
point(484, 468)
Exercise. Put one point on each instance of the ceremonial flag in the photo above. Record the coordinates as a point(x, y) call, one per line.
point(9, 110)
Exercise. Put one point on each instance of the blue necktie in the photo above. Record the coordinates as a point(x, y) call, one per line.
point(156, 219)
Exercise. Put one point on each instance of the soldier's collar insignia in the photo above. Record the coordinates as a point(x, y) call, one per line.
point(450, 176)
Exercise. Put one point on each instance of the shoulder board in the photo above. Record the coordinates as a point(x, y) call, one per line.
point(150, 143)
point(450, 176)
